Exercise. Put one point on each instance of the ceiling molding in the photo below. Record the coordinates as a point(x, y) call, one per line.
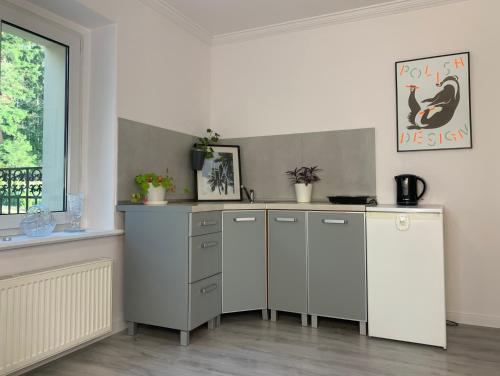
point(384, 9)
point(164, 8)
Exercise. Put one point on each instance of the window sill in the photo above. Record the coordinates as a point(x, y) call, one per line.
point(22, 241)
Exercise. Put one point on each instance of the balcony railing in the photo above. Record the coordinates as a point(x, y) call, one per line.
point(20, 188)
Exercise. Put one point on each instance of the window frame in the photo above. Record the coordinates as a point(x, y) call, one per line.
point(30, 22)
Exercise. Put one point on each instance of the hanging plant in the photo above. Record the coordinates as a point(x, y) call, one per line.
point(203, 149)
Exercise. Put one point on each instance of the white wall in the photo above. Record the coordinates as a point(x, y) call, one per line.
point(100, 140)
point(163, 71)
point(342, 76)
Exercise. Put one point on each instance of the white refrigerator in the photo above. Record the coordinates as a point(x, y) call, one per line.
point(405, 269)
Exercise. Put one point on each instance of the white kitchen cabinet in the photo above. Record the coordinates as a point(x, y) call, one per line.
point(405, 267)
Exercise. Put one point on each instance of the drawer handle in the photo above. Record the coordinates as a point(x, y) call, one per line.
point(208, 223)
point(334, 221)
point(209, 289)
point(285, 219)
point(245, 219)
point(209, 244)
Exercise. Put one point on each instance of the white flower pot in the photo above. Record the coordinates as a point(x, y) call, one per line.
point(303, 192)
point(156, 194)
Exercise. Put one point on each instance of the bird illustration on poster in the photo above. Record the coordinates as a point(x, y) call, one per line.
point(432, 112)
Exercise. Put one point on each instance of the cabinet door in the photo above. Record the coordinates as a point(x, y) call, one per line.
point(337, 265)
point(406, 291)
point(244, 282)
point(287, 261)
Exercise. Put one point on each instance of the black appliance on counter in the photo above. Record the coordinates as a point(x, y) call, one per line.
point(407, 189)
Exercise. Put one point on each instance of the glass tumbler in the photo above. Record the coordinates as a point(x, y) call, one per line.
point(75, 210)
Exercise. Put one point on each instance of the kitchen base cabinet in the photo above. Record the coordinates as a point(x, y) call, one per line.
point(287, 262)
point(337, 266)
point(172, 268)
point(244, 262)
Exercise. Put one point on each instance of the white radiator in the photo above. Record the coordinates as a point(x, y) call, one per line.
point(46, 312)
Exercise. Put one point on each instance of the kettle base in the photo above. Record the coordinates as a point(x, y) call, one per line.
point(407, 203)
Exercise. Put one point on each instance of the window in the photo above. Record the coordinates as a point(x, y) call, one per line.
point(33, 121)
point(40, 142)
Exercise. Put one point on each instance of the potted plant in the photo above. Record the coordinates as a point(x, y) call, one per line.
point(202, 149)
point(303, 179)
point(153, 188)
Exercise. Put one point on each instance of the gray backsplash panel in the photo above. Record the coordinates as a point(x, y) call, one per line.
point(143, 148)
point(347, 158)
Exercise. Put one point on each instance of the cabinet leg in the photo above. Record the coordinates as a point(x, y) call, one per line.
point(131, 328)
point(184, 337)
point(217, 321)
point(314, 321)
point(274, 315)
point(265, 315)
point(211, 324)
point(305, 319)
point(362, 328)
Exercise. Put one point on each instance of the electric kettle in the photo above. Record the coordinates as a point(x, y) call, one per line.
point(407, 189)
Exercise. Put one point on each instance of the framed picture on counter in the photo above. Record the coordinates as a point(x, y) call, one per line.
point(433, 103)
point(220, 177)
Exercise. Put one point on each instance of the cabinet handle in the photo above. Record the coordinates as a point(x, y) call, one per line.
point(208, 223)
point(209, 244)
point(245, 219)
point(334, 221)
point(285, 219)
point(209, 288)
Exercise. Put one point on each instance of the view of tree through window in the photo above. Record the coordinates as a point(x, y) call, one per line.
point(21, 111)
point(33, 75)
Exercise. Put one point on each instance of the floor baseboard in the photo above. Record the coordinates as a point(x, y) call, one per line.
point(476, 319)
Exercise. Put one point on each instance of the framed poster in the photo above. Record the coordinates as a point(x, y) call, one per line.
point(220, 177)
point(433, 103)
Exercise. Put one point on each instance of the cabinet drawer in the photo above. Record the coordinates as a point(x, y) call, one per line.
point(205, 256)
point(205, 300)
point(205, 223)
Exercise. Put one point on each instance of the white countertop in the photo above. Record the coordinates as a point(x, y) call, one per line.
point(197, 207)
point(406, 209)
point(319, 206)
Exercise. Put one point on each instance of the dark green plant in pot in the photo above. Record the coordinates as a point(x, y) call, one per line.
point(145, 180)
point(203, 149)
point(304, 175)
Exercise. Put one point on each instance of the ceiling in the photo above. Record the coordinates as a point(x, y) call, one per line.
point(228, 16)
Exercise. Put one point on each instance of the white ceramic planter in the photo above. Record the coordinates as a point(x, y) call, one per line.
point(303, 192)
point(156, 195)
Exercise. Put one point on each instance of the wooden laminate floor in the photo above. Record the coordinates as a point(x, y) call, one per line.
point(245, 345)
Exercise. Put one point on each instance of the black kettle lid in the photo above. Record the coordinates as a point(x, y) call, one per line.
point(403, 176)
